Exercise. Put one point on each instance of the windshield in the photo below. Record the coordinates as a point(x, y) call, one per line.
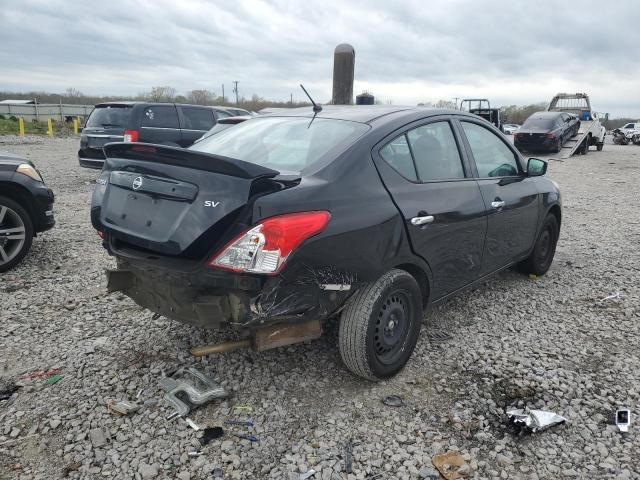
point(109, 116)
point(217, 128)
point(539, 123)
point(283, 143)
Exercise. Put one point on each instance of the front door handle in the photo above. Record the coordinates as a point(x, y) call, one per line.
point(422, 220)
point(497, 204)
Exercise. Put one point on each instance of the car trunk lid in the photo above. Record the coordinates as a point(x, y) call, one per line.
point(163, 199)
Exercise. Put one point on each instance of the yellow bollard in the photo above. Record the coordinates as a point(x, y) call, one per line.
point(50, 128)
point(21, 127)
point(75, 126)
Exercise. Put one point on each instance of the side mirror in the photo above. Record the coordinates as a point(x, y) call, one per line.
point(536, 167)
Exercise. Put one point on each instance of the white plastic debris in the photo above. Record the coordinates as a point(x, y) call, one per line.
point(534, 420)
point(623, 419)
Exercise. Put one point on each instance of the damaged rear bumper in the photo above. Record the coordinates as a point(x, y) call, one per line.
point(212, 299)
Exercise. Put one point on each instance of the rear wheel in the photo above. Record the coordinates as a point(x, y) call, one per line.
point(558, 145)
point(599, 146)
point(16, 233)
point(539, 261)
point(380, 325)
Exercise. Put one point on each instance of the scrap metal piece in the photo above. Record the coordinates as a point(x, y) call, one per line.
point(221, 347)
point(534, 420)
point(308, 474)
point(195, 395)
point(393, 401)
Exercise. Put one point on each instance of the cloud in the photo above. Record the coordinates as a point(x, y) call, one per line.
point(406, 52)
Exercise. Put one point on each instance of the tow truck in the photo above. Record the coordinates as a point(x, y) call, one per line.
point(591, 131)
point(482, 108)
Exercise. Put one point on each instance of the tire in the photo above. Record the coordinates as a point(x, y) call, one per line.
point(16, 233)
point(541, 257)
point(558, 146)
point(599, 146)
point(379, 327)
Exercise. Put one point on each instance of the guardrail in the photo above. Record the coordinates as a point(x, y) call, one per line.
point(42, 112)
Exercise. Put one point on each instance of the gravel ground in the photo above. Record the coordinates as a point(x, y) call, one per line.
point(552, 343)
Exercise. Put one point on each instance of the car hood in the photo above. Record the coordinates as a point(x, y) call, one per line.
point(7, 158)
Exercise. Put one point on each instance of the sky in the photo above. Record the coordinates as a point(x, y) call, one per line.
point(512, 52)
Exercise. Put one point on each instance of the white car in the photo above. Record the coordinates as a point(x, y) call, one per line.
point(510, 128)
point(630, 128)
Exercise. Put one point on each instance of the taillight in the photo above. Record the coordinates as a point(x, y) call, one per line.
point(266, 247)
point(550, 135)
point(130, 136)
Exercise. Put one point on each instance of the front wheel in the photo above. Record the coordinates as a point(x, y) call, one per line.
point(16, 233)
point(599, 146)
point(539, 261)
point(380, 325)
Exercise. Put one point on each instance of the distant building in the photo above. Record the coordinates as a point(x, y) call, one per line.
point(19, 102)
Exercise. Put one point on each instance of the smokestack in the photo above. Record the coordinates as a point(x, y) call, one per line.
point(344, 59)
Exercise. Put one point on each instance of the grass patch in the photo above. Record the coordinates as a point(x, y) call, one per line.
point(9, 126)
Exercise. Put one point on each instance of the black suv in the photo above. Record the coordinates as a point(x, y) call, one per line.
point(26, 208)
point(171, 124)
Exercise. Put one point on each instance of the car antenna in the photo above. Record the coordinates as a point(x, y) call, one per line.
point(316, 108)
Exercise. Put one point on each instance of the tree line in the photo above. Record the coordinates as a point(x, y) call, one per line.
point(155, 94)
point(510, 114)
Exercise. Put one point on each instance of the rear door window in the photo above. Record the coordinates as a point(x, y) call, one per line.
point(160, 116)
point(435, 152)
point(492, 156)
point(398, 156)
point(197, 118)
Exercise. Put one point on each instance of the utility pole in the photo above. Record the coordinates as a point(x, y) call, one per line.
point(223, 93)
point(456, 100)
point(235, 90)
point(291, 99)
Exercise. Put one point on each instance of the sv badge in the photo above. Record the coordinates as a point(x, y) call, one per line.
point(211, 203)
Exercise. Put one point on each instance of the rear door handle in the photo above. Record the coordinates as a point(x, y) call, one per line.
point(497, 204)
point(422, 220)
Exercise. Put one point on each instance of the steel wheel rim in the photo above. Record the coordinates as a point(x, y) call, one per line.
point(546, 240)
point(392, 327)
point(12, 234)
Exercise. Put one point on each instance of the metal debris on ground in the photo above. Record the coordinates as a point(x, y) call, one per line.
point(192, 424)
point(534, 420)
point(122, 407)
point(438, 337)
point(308, 474)
point(197, 396)
point(40, 374)
point(348, 456)
point(393, 401)
point(448, 464)
point(211, 433)
point(623, 419)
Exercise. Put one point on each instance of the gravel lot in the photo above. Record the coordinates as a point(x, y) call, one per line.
point(551, 343)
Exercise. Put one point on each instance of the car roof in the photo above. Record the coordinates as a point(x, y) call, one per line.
point(132, 103)
point(546, 114)
point(360, 113)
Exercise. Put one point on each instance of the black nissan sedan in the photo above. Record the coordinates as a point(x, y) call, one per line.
point(546, 131)
point(286, 221)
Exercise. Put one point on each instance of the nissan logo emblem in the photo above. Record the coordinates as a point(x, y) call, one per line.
point(137, 183)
